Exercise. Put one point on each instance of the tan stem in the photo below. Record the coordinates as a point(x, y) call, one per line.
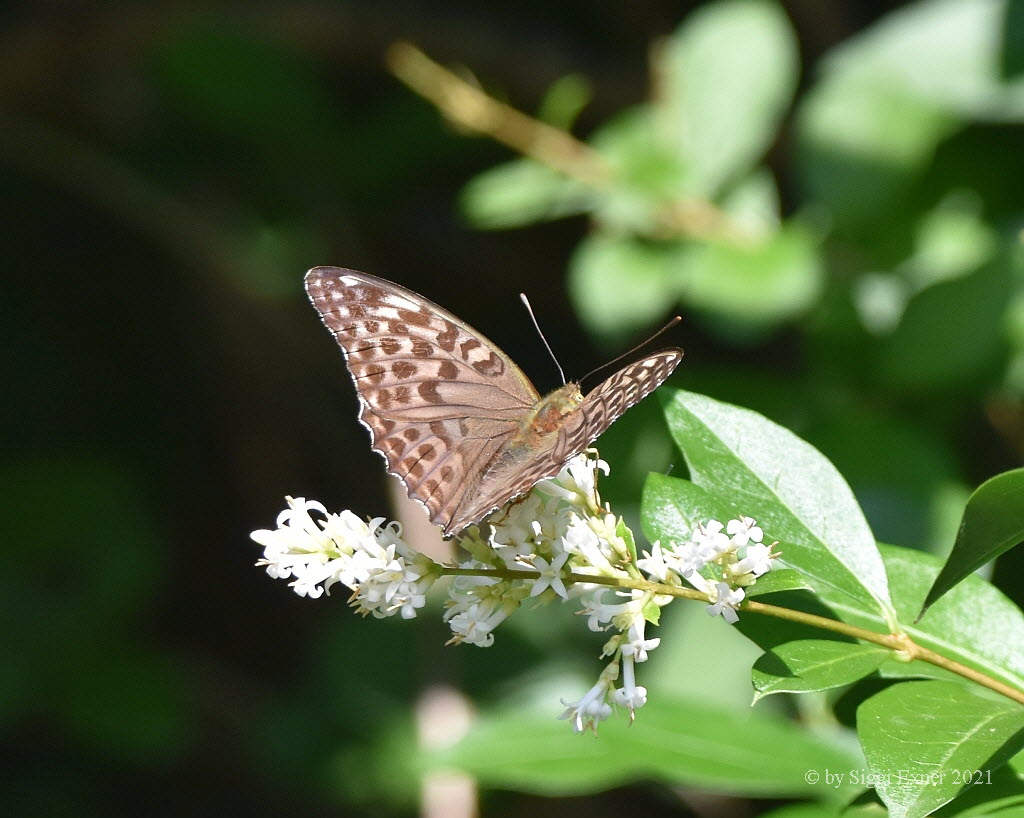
point(471, 108)
point(899, 643)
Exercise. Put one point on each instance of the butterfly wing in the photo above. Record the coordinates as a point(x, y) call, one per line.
point(439, 399)
point(515, 475)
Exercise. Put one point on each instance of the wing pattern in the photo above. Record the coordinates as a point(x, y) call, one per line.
point(438, 398)
point(451, 414)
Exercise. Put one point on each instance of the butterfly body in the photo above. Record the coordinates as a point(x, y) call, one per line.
point(456, 420)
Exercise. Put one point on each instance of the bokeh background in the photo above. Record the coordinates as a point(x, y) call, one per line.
point(168, 171)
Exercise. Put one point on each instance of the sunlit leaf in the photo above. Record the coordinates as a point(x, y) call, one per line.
point(752, 752)
point(521, 192)
point(921, 737)
point(993, 522)
point(619, 284)
point(771, 280)
point(728, 74)
point(795, 494)
point(818, 664)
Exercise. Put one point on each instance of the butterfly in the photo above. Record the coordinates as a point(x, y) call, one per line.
point(456, 420)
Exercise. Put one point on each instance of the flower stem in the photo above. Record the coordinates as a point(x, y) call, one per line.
point(898, 643)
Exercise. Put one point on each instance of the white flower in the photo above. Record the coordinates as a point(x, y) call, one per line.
point(743, 530)
point(593, 708)
point(653, 563)
point(726, 601)
point(475, 623)
point(758, 560)
point(710, 540)
point(549, 575)
point(637, 646)
point(687, 559)
point(630, 695)
point(576, 483)
point(387, 575)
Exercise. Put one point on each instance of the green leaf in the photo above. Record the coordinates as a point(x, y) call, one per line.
point(766, 472)
point(962, 317)
point(618, 284)
point(521, 192)
point(920, 737)
point(973, 623)
point(765, 282)
point(943, 51)
point(993, 522)
point(814, 664)
point(564, 101)
point(729, 73)
point(862, 142)
point(679, 742)
point(623, 530)
point(776, 581)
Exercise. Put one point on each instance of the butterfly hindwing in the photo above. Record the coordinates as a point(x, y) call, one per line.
point(600, 408)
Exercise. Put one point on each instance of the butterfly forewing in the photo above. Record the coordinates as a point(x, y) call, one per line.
point(448, 410)
point(438, 398)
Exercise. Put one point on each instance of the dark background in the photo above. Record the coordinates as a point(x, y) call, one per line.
point(168, 384)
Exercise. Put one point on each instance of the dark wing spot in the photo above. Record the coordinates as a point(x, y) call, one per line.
point(391, 346)
point(446, 339)
point(428, 391)
point(374, 373)
point(412, 466)
point(492, 366)
point(426, 452)
point(383, 399)
point(411, 434)
point(403, 397)
point(468, 346)
point(421, 348)
point(448, 371)
point(403, 369)
point(372, 327)
point(356, 311)
point(437, 428)
point(417, 319)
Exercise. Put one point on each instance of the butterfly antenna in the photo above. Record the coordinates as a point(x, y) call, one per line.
point(641, 345)
point(529, 309)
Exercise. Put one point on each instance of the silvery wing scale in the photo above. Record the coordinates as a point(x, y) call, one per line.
point(456, 420)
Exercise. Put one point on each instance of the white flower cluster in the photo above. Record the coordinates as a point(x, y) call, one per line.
point(710, 547)
point(386, 575)
point(561, 537)
point(555, 529)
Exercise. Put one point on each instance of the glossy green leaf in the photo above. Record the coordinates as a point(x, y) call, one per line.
point(728, 74)
point(973, 623)
point(814, 664)
point(678, 742)
point(993, 522)
point(521, 192)
point(777, 581)
point(766, 472)
point(920, 737)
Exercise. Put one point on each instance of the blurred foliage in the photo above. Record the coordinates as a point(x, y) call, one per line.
point(828, 193)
